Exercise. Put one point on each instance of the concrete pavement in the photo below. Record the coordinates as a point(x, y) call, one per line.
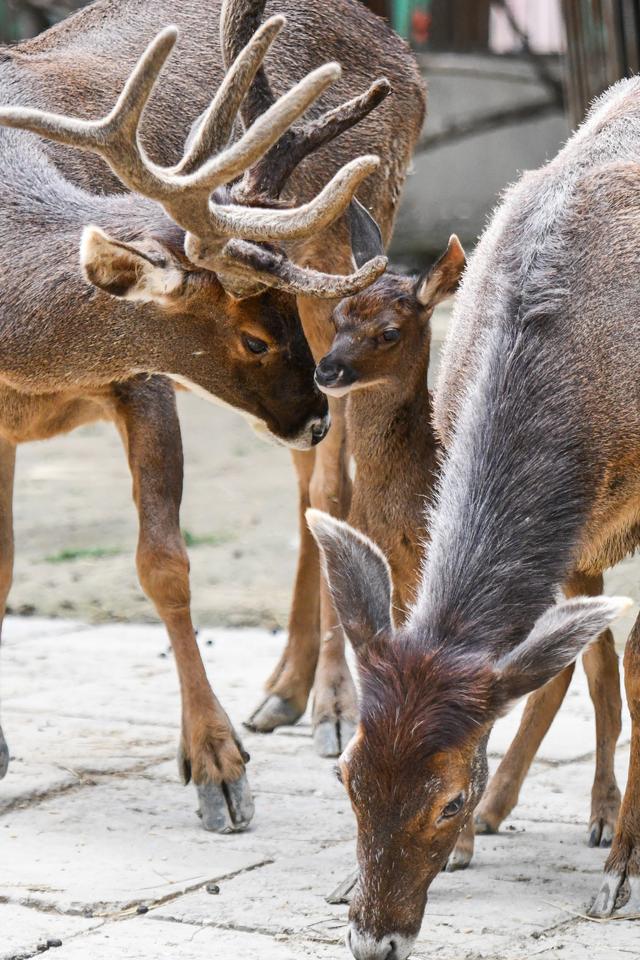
point(94, 825)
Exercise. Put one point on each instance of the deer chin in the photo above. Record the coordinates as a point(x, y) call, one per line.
point(301, 441)
point(335, 391)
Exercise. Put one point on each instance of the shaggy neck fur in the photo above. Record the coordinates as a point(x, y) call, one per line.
point(512, 500)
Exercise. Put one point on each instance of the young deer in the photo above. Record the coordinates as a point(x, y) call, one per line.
point(380, 359)
point(536, 409)
point(185, 276)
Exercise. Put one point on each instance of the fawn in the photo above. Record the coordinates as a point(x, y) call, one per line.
point(380, 358)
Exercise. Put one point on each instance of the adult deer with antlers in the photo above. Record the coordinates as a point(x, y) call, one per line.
point(187, 275)
point(537, 406)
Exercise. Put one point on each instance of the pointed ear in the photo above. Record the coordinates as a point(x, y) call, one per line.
point(555, 641)
point(442, 280)
point(128, 271)
point(366, 238)
point(358, 576)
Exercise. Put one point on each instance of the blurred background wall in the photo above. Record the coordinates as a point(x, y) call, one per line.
point(507, 81)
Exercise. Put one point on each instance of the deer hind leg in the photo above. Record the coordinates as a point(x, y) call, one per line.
point(619, 892)
point(210, 752)
point(603, 674)
point(290, 684)
point(503, 791)
point(335, 703)
point(7, 468)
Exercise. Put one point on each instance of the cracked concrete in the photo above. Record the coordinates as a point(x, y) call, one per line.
point(95, 826)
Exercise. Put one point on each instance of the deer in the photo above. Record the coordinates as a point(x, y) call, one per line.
point(538, 483)
point(192, 274)
point(379, 359)
point(72, 64)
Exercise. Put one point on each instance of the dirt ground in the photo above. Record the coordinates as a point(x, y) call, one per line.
point(76, 525)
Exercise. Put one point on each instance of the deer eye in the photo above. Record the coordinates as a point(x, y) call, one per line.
point(254, 344)
point(453, 808)
point(391, 334)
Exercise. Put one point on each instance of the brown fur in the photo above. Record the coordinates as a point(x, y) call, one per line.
point(96, 346)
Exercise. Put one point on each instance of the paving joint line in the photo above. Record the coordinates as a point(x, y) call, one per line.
point(86, 778)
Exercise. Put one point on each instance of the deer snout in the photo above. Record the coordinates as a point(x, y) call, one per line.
point(334, 377)
point(365, 947)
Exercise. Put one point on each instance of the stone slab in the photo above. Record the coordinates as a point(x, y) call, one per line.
point(23, 930)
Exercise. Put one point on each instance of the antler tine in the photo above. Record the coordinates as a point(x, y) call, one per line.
point(98, 135)
point(238, 20)
point(113, 137)
point(269, 176)
point(263, 134)
point(276, 270)
point(216, 126)
point(292, 224)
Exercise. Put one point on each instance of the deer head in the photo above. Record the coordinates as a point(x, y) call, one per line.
point(416, 766)
point(221, 257)
point(384, 332)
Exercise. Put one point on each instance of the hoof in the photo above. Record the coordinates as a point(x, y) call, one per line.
point(330, 737)
point(600, 834)
point(273, 712)
point(617, 897)
point(4, 756)
point(226, 808)
point(459, 860)
point(483, 826)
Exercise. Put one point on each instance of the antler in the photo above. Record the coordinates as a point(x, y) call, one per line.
point(185, 190)
point(267, 178)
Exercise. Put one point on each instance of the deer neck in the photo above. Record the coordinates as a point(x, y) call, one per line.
point(389, 423)
point(515, 493)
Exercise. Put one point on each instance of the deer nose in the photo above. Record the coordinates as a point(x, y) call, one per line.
point(334, 375)
point(365, 947)
point(319, 429)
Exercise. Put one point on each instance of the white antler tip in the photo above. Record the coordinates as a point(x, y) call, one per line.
point(275, 23)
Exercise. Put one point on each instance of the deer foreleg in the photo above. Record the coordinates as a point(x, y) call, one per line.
point(290, 684)
point(7, 468)
point(335, 705)
point(619, 892)
point(210, 752)
point(503, 791)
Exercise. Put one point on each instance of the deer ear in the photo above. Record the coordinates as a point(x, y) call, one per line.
point(557, 638)
point(358, 576)
point(442, 280)
point(127, 271)
point(366, 238)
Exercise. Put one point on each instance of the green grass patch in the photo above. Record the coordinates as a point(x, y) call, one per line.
point(91, 553)
point(207, 540)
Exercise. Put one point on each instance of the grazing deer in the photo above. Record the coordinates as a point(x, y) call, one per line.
point(186, 276)
point(537, 408)
point(380, 359)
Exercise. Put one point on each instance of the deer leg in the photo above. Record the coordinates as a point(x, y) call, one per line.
point(290, 684)
point(503, 791)
point(601, 666)
point(619, 892)
point(210, 752)
point(335, 703)
point(7, 468)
